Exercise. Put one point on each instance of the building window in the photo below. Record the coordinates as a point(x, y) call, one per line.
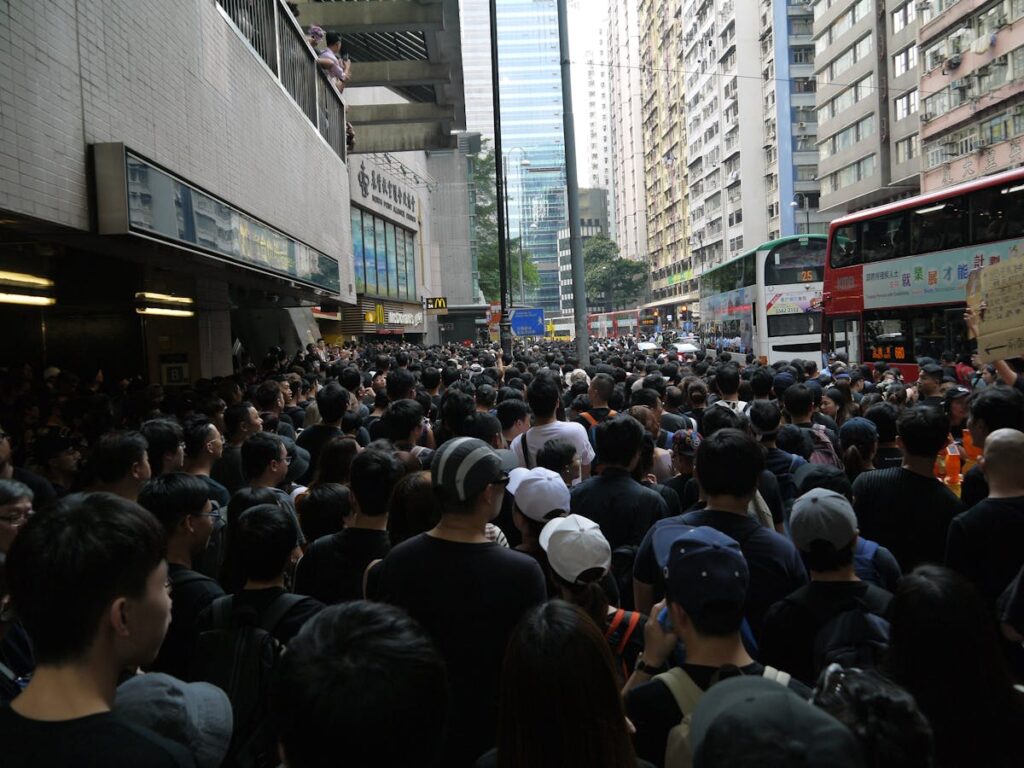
point(801, 54)
point(907, 149)
point(905, 60)
point(849, 175)
point(906, 104)
point(903, 16)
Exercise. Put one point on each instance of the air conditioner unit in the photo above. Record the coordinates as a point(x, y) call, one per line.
point(1001, 22)
point(1000, 62)
point(953, 61)
point(801, 124)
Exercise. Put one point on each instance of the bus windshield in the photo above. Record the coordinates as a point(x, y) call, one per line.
point(795, 262)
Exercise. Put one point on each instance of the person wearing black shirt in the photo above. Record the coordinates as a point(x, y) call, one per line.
point(333, 402)
point(706, 589)
point(884, 416)
point(684, 447)
point(623, 508)
point(907, 509)
point(332, 569)
point(995, 407)
point(267, 540)
point(929, 384)
point(728, 465)
point(181, 503)
point(984, 542)
point(824, 529)
point(89, 582)
point(466, 591)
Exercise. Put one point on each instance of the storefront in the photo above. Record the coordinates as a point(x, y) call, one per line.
point(387, 255)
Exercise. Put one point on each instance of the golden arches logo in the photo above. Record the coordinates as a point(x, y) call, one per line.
point(376, 316)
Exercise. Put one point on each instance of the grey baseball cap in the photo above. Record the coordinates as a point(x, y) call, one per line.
point(822, 515)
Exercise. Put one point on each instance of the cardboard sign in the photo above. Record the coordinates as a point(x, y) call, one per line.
point(1001, 330)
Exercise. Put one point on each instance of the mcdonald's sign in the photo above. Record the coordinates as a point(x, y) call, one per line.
point(377, 316)
point(437, 305)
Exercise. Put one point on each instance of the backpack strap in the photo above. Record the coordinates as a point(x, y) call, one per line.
point(634, 619)
point(780, 677)
point(220, 610)
point(612, 414)
point(686, 692)
point(526, 449)
point(588, 417)
point(278, 609)
point(614, 624)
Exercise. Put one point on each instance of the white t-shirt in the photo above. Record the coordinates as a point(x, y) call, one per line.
point(536, 437)
point(738, 406)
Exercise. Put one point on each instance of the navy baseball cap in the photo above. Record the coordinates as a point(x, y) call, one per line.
point(700, 566)
point(782, 382)
point(857, 430)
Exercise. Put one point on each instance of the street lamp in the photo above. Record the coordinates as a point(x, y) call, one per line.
point(807, 211)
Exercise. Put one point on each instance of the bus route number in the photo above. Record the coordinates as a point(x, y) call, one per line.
point(889, 353)
point(807, 276)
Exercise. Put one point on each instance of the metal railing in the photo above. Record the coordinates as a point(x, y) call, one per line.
point(274, 35)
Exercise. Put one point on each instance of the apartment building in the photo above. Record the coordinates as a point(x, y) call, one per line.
point(866, 66)
point(662, 26)
point(727, 131)
point(789, 119)
point(971, 89)
point(626, 129)
point(594, 220)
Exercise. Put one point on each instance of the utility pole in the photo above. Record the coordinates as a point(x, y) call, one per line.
point(505, 324)
point(579, 291)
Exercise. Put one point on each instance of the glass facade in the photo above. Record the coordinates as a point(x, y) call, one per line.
point(531, 116)
point(384, 257)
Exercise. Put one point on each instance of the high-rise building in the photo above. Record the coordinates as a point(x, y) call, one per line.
point(731, 130)
point(626, 129)
point(531, 123)
point(594, 220)
point(971, 90)
point(596, 154)
point(867, 100)
point(789, 134)
point(662, 26)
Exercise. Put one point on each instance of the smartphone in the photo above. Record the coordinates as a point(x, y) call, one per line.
point(665, 620)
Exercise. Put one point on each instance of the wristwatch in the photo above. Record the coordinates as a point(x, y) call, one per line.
point(648, 669)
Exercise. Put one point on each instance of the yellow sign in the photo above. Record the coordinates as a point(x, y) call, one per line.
point(377, 316)
point(437, 305)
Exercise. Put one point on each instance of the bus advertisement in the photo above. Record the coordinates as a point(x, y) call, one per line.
point(613, 325)
point(766, 301)
point(896, 275)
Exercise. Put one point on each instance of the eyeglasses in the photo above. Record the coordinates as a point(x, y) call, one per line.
point(17, 517)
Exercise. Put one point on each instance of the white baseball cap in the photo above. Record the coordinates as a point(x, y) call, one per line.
point(538, 492)
point(575, 545)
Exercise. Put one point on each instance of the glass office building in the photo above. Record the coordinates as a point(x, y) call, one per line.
point(531, 117)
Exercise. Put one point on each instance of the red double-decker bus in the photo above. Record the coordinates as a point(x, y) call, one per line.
point(896, 275)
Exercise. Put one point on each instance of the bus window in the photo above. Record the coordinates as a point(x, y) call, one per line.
point(886, 337)
point(795, 262)
point(844, 246)
point(883, 238)
point(998, 213)
point(797, 324)
point(939, 227)
point(845, 337)
point(937, 330)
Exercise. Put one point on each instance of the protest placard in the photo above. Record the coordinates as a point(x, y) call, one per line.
point(1001, 326)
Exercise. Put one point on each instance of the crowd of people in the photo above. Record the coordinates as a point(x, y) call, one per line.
point(389, 555)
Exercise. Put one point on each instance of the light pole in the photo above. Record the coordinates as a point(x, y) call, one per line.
point(505, 324)
point(807, 211)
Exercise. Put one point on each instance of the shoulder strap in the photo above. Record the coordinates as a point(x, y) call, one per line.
point(526, 449)
point(792, 464)
point(278, 609)
point(780, 677)
point(686, 692)
point(220, 610)
point(634, 619)
point(588, 417)
point(612, 414)
point(614, 624)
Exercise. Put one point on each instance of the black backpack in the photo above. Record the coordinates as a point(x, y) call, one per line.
point(238, 654)
point(853, 636)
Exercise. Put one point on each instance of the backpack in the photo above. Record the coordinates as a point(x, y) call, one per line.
point(621, 570)
point(852, 637)
point(687, 694)
point(238, 655)
point(824, 452)
point(620, 641)
point(864, 562)
point(588, 417)
point(787, 483)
